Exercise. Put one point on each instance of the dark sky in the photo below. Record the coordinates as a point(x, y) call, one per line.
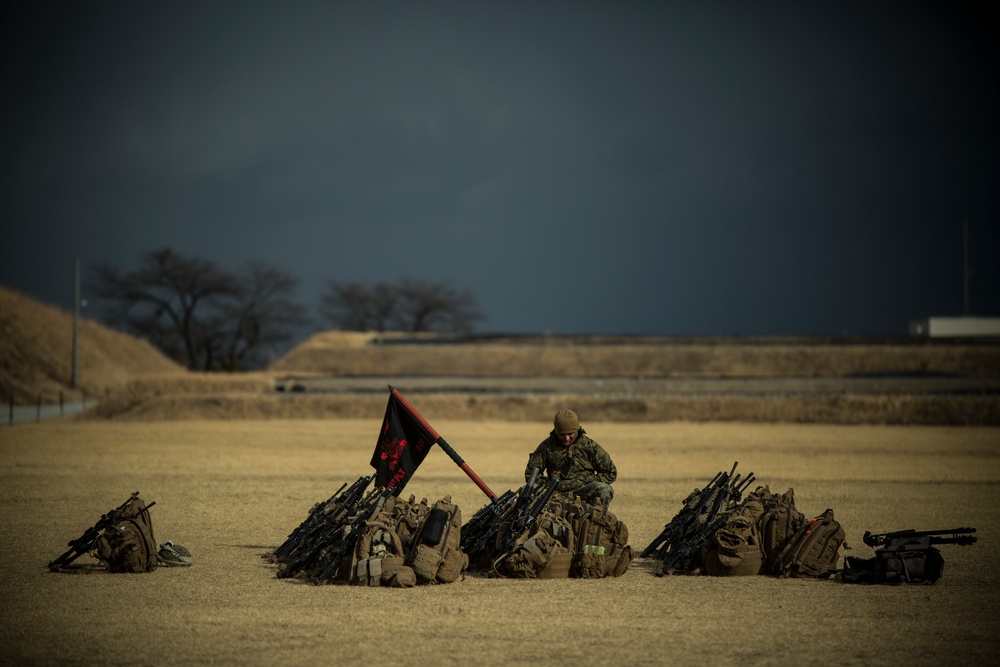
point(581, 167)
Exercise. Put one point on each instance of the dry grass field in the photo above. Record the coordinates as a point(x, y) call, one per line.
point(234, 466)
point(233, 489)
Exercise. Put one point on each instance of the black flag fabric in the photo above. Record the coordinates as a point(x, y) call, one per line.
point(402, 445)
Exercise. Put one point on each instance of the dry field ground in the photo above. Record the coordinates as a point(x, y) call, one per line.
point(233, 489)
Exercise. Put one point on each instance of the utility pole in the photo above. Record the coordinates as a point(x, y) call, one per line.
point(966, 271)
point(76, 328)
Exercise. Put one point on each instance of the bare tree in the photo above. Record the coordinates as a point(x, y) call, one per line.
point(196, 313)
point(260, 317)
point(409, 305)
point(436, 306)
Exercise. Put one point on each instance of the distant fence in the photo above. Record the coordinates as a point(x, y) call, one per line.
point(38, 410)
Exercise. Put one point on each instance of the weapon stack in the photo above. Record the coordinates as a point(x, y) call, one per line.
point(321, 547)
point(493, 529)
point(703, 512)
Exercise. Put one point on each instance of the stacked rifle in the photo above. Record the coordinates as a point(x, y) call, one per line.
point(704, 511)
point(493, 530)
point(322, 546)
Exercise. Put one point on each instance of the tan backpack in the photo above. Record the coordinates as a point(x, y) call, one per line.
point(435, 554)
point(379, 557)
point(776, 526)
point(128, 544)
point(602, 548)
point(544, 551)
point(814, 550)
point(734, 550)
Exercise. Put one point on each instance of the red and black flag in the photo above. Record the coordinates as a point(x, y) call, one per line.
point(402, 445)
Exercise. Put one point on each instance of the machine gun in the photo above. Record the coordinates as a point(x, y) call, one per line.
point(86, 542)
point(903, 556)
point(961, 536)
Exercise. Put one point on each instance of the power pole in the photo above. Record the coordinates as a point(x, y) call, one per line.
point(966, 271)
point(76, 328)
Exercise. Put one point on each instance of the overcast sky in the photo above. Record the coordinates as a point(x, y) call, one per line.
point(581, 167)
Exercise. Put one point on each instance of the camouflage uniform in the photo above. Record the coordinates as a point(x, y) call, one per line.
point(584, 469)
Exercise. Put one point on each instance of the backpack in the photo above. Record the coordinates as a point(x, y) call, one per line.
point(379, 557)
point(602, 548)
point(127, 544)
point(407, 517)
point(544, 551)
point(913, 562)
point(435, 554)
point(814, 549)
point(777, 524)
point(734, 550)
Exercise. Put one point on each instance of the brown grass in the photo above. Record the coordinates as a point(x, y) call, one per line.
point(331, 353)
point(230, 490)
point(36, 353)
point(132, 381)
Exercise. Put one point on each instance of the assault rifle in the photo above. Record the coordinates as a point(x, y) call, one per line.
point(684, 556)
point(332, 560)
point(86, 542)
point(523, 520)
point(724, 487)
point(959, 536)
point(321, 515)
point(324, 531)
point(479, 534)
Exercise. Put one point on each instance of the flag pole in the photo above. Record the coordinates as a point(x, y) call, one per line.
point(441, 442)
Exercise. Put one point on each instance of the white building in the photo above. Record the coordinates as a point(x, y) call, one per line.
point(956, 326)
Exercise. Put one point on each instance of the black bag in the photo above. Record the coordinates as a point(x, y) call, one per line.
point(913, 562)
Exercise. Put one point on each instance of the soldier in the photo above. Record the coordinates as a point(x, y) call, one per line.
point(582, 466)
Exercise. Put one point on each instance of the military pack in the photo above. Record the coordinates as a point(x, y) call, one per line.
point(436, 555)
point(128, 545)
point(122, 539)
point(777, 521)
point(814, 549)
point(905, 556)
point(543, 551)
point(602, 548)
point(734, 550)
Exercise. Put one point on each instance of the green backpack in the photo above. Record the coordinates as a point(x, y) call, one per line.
point(127, 544)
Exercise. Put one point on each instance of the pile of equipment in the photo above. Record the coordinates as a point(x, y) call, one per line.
point(368, 537)
point(122, 541)
point(535, 533)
